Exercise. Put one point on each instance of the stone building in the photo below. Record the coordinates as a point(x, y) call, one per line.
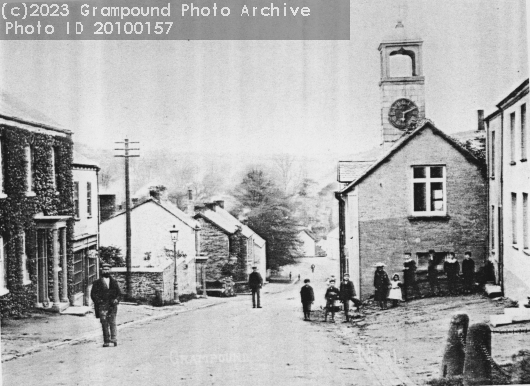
point(509, 186)
point(226, 241)
point(421, 190)
point(36, 210)
point(152, 249)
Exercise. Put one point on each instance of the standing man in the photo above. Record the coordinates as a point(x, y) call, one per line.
point(452, 269)
point(106, 295)
point(347, 293)
point(409, 274)
point(432, 273)
point(313, 268)
point(255, 282)
point(468, 270)
point(308, 297)
point(382, 285)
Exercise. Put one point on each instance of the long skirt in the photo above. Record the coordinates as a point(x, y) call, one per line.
point(381, 294)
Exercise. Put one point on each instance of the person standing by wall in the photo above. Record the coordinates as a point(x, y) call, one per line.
point(409, 274)
point(308, 297)
point(347, 293)
point(106, 295)
point(255, 282)
point(452, 269)
point(381, 284)
point(432, 274)
point(395, 290)
point(468, 271)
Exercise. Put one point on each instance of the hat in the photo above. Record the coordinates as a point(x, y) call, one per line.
point(332, 281)
point(432, 251)
point(106, 265)
point(307, 281)
point(407, 254)
point(346, 274)
point(379, 265)
point(254, 267)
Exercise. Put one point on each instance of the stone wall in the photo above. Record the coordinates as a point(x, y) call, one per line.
point(214, 244)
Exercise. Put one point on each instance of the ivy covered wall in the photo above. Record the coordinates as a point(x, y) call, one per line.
point(53, 196)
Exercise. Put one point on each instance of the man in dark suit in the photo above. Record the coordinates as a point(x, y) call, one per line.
point(347, 293)
point(106, 295)
point(308, 297)
point(468, 271)
point(255, 282)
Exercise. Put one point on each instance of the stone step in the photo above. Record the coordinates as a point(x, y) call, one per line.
point(77, 311)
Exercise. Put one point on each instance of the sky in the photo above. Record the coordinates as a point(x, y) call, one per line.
point(271, 97)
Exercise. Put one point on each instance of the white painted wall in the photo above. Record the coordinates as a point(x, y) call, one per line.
point(308, 246)
point(85, 224)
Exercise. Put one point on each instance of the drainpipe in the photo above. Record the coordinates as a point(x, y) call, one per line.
point(342, 233)
point(501, 208)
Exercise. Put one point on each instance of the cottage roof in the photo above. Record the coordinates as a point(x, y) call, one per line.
point(168, 206)
point(405, 138)
point(81, 160)
point(309, 233)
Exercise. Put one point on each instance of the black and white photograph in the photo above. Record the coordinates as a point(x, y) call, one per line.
point(254, 192)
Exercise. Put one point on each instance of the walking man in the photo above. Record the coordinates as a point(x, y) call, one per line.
point(255, 282)
point(409, 274)
point(308, 297)
point(432, 273)
point(347, 293)
point(106, 295)
point(468, 271)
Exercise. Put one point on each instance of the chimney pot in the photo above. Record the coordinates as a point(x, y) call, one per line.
point(220, 203)
point(480, 120)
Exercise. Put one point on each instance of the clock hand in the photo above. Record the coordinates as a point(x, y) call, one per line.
point(408, 111)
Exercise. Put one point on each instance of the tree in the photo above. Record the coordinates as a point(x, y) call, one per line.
point(111, 255)
point(265, 210)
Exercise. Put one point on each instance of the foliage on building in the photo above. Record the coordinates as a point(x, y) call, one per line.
point(52, 185)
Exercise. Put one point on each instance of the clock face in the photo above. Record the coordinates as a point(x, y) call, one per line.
point(402, 113)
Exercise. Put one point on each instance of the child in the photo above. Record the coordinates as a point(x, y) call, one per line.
point(395, 291)
point(308, 297)
point(332, 294)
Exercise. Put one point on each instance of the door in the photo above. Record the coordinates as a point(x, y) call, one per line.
point(42, 266)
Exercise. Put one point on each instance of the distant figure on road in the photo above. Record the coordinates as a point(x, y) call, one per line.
point(313, 268)
point(290, 277)
point(106, 295)
point(432, 273)
point(347, 293)
point(332, 294)
point(452, 269)
point(409, 268)
point(255, 282)
point(308, 297)
point(395, 290)
point(468, 271)
point(381, 284)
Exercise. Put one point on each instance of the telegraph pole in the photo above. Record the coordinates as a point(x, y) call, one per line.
point(126, 155)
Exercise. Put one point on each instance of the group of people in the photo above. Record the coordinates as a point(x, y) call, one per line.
point(345, 293)
point(386, 289)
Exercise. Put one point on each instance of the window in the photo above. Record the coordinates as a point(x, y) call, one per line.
point(523, 132)
point(30, 169)
point(429, 190)
point(3, 269)
point(89, 199)
point(25, 272)
point(512, 138)
point(492, 163)
point(514, 218)
point(492, 227)
point(422, 259)
point(76, 199)
point(54, 169)
point(525, 221)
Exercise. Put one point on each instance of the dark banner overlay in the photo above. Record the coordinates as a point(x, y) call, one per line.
point(177, 20)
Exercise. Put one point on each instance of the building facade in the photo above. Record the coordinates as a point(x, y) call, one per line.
point(420, 190)
point(86, 228)
point(509, 186)
point(36, 208)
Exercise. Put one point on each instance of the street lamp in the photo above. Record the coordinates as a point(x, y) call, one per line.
point(174, 237)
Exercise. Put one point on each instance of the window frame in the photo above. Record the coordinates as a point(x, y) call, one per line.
point(526, 238)
point(77, 208)
point(428, 181)
point(514, 218)
point(26, 279)
point(492, 163)
point(89, 199)
point(524, 134)
point(512, 138)
point(2, 169)
point(30, 170)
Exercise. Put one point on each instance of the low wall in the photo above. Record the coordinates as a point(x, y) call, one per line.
point(146, 281)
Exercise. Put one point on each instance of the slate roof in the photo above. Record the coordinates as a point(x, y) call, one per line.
point(80, 159)
point(405, 138)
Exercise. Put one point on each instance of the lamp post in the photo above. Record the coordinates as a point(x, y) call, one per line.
point(174, 237)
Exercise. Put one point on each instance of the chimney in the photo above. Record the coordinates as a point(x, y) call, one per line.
point(190, 208)
point(154, 194)
point(480, 120)
point(107, 205)
point(220, 203)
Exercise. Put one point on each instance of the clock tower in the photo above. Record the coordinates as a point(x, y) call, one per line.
point(402, 84)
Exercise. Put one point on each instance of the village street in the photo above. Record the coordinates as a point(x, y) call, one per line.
point(228, 344)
